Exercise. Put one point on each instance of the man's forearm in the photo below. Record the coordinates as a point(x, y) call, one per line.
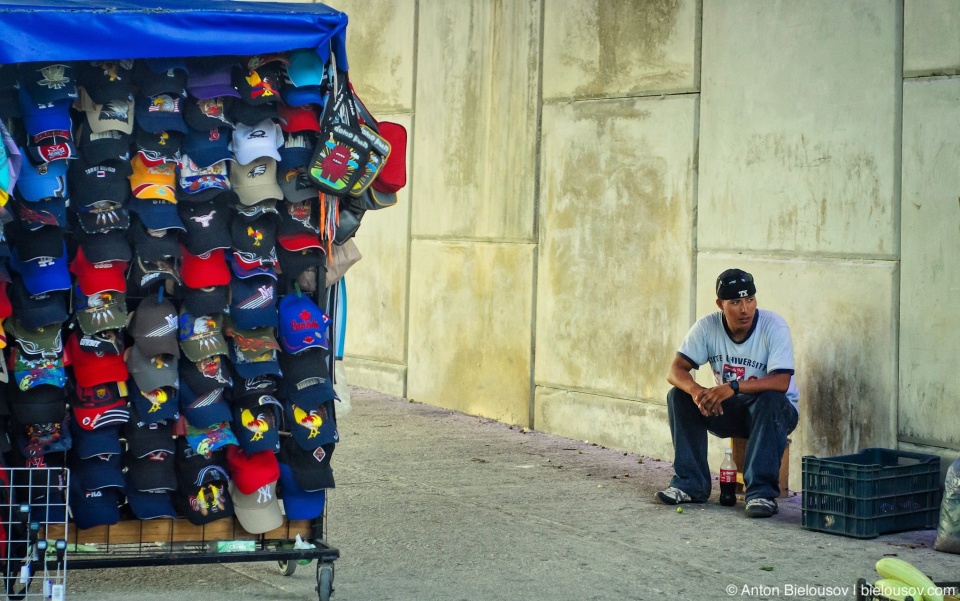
point(774, 382)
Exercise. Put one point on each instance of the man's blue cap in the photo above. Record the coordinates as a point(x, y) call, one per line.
point(55, 117)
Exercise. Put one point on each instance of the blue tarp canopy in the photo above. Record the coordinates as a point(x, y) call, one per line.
point(48, 30)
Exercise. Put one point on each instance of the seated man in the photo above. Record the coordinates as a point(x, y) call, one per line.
point(751, 354)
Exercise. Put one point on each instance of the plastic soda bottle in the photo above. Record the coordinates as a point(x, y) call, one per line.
point(728, 479)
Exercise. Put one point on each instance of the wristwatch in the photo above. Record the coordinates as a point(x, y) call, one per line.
point(735, 385)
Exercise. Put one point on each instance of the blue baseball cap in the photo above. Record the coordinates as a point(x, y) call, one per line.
point(208, 147)
point(36, 440)
point(242, 271)
point(203, 410)
point(43, 274)
point(299, 504)
point(92, 508)
point(312, 422)
point(211, 438)
point(299, 96)
point(90, 443)
point(152, 406)
point(156, 214)
point(55, 117)
point(44, 181)
point(256, 422)
point(35, 215)
point(149, 505)
point(302, 324)
point(98, 472)
point(253, 302)
point(163, 112)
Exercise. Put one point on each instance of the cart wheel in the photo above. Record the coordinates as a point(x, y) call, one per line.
point(287, 567)
point(324, 581)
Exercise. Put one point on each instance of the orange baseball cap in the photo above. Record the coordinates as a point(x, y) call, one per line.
point(156, 181)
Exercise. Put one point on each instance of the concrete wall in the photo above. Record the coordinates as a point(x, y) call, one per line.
point(580, 171)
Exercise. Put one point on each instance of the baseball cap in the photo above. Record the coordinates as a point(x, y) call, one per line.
point(154, 327)
point(96, 472)
point(36, 214)
point(106, 310)
point(306, 369)
point(256, 182)
point(214, 437)
point(98, 277)
point(201, 336)
point(209, 81)
point(44, 439)
point(50, 148)
point(292, 171)
point(206, 301)
point(154, 244)
point(154, 472)
point(100, 406)
point(205, 375)
point(209, 113)
point(146, 435)
point(153, 371)
point(256, 422)
point(305, 68)
point(154, 406)
point(148, 504)
point(202, 271)
point(299, 118)
point(208, 146)
point(38, 405)
point(91, 183)
point(202, 495)
point(48, 82)
point(250, 471)
point(259, 82)
point(203, 409)
point(92, 508)
point(251, 114)
point(42, 181)
point(195, 180)
point(735, 283)
point(160, 76)
point(294, 263)
point(259, 512)
point(302, 324)
point(244, 270)
point(30, 371)
point(93, 368)
point(102, 147)
point(106, 80)
point(105, 246)
point(6, 308)
point(253, 142)
point(37, 311)
point(254, 352)
point(92, 442)
point(114, 114)
point(299, 226)
point(158, 215)
point(103, 216)
point(255, 241)
point(253, 302)
point(310, 468)
point(207, 226)
point(299, 504)
point(147, 275)
point(311, 421)
point(158, 181)
point(41, 260)
point(163, 112)
point(43, 489)
point(109, 342)
point(45, 341)
point(159, 147)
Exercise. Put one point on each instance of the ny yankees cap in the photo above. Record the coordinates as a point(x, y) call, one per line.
point(258, 512)
point(154, 327)
point(106, 81)
point(207, 226)
point(256, 182)
point(735, 283)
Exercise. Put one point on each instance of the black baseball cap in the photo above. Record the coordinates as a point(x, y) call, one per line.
point(251, 114)
point(206, 301)
point(160, 76)
point(38, 311)
point(305, 369)
point(147, 275)
point(96, 148)
point(154, 245)
point(209, 113)
point(293, 263)
point(255, 241)
point(106, 80)
point(206, 375)
point(207, 226)
point(311, 468)
point(735, 283)
point(94, 182)
point(159, 147)
point(49, 82)
point(39, 405)
point(106, 246)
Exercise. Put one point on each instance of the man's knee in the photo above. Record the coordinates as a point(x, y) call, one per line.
point(676, 395)
point(775, 407)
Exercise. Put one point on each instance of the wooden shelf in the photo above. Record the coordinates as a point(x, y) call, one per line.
point(174, 531)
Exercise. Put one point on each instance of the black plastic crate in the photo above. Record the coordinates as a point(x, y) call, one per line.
point(871, 493)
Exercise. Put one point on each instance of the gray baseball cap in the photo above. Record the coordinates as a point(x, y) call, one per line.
point(152, 371)
point(154, 327)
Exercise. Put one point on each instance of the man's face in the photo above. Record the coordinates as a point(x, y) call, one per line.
point(739, 312)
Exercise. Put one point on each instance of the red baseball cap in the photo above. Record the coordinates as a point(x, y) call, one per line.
point(92, 369)
point(6, 309)
point(299, 241)
point(299, 118)
point(95, 278)
point(251, 471)
point(206, 270)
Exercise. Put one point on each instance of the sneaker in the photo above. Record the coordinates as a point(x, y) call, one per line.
point(761, 508)
point(673, 496)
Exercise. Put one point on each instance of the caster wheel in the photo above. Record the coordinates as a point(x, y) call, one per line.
point(324, 581)
point(287, 567)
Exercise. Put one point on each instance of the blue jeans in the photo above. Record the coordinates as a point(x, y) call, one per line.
point(764, 420)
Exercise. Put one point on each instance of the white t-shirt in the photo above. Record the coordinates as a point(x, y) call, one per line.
point(768, 349)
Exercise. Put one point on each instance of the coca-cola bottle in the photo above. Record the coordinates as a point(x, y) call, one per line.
point(728, 479)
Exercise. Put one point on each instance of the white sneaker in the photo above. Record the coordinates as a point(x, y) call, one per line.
point(673, 496)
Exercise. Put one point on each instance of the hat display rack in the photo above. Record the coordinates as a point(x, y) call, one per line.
point(168, 285)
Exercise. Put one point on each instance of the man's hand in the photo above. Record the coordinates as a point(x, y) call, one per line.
point(709, 400)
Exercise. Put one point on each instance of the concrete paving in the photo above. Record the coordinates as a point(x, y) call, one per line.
point(434, 505)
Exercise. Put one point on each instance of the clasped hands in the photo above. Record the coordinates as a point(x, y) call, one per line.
point(709, 400)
